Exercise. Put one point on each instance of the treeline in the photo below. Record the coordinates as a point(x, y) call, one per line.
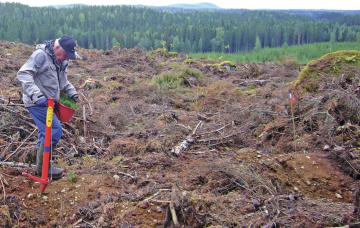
point(103, 27)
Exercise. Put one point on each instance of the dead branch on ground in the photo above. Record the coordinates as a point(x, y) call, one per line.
point(2, 179)
point(20, 145)
point(15, 164)
point(187, 142)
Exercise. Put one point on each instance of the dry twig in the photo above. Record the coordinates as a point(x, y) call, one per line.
point(2, 184)
point(151, 197)
point(91, 110)
point(20, 145)
point(173, 215)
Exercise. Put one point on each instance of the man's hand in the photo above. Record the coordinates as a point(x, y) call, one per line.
point(42, 102)
point(75, 98)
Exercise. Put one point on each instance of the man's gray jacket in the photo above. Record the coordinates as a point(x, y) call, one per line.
point(43, 76)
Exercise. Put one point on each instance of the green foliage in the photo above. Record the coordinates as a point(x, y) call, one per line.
point(176, 78)
point(169, 80)
point(114, 85)
point(257, 46)
point(67, 101)
point(195, 73)
point(163, 43)
point(303, 53)
point(161, 52)
point(116, 47)
point(71, 176)
point(203, 31)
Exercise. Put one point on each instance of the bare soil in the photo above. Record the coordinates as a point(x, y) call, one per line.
point(242, 165)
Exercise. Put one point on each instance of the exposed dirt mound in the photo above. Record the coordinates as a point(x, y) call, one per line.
point(191, 142)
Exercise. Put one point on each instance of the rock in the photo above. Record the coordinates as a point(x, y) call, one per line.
point(339, 148)
point(326, 147)
point(291, 197)
point(338, 196)
point(144, 205)
point(159, 209)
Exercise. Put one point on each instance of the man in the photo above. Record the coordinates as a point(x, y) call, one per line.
point(45, 75)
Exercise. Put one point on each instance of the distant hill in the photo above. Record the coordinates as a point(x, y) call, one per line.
point(182, 7)
point(68, 6)
point(206, 6)
point(203, 5)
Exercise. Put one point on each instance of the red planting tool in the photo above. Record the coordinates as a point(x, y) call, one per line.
point(45, 180)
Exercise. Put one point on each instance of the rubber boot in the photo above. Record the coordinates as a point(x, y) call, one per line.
point(55, 173)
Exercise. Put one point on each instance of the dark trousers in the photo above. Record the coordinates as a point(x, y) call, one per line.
point(39, 116)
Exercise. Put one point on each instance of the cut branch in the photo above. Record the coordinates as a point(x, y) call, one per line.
point(187, 142)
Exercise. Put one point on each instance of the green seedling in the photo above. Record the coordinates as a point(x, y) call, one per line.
point(67, 101)
point(71, 176)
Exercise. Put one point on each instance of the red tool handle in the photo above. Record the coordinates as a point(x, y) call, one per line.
point(45, 180)
point(47, 143)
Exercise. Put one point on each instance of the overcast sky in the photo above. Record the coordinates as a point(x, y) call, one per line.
point(236, 4)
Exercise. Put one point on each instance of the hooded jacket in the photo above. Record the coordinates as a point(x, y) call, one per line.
point(43, 76)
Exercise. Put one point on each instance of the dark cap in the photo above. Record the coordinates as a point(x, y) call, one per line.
point(69, 45)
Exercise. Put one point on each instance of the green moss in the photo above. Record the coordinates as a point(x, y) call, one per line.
point(332, 64)
point(173, 54)
point(176, 78)
point(224, 63)
point(190, 61)
point(227, 63)
point(161, 51)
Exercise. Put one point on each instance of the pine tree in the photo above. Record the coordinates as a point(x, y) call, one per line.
point(257, 45)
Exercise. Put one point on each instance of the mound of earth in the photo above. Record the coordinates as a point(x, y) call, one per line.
point(172, 141)
point(340, 64)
